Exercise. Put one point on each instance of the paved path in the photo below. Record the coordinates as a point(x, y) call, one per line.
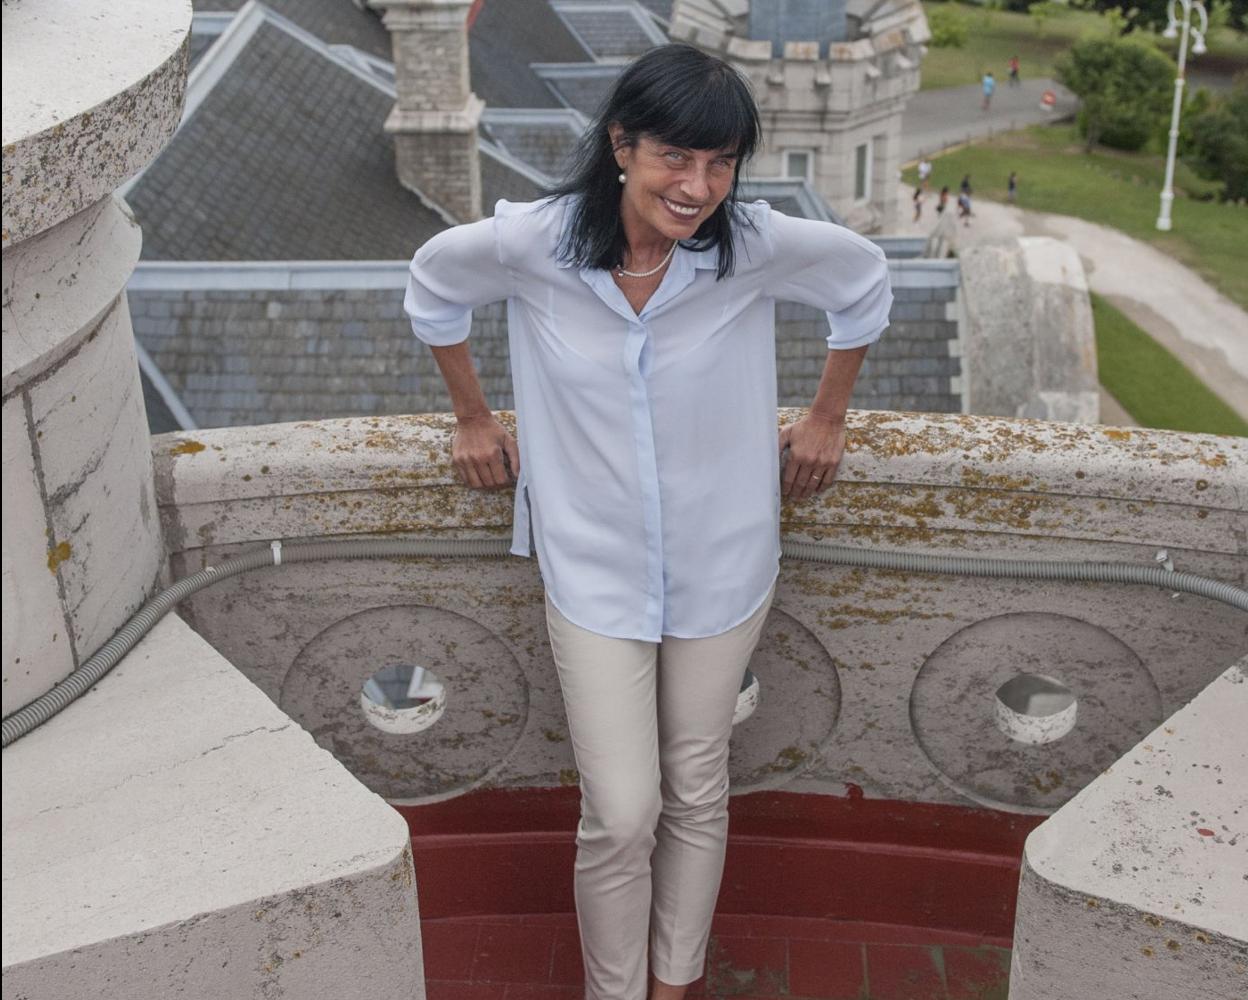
point(937, 119)
point(1181, 311)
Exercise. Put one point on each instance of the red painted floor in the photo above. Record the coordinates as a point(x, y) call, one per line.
point(537, 957)
point(882, 900)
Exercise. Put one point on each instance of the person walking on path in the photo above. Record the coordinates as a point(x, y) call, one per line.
point(641, 310)
point(1011, 187)
point(943, 203)
point(1015, 80)
point(964, 206)
point(925, 173)
point(989, 86)
point(918, 203)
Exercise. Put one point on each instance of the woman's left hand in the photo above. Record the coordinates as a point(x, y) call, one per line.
point(815, 445)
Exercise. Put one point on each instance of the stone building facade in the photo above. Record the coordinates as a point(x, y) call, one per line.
point(831, 79)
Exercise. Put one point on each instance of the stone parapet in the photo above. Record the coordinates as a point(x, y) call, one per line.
point(173, 834)
point(884, 680)
point(1135, 888)
point(1028, 337)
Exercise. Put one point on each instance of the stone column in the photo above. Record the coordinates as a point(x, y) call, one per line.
point(87, 102)
point(434, 121)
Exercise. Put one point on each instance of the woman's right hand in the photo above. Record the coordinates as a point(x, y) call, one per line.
point(481, 447)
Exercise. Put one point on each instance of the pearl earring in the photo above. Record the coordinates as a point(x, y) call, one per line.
point(621, 177)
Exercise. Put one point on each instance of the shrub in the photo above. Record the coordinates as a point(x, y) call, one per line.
point(1219, 139)
point(948, 27)
point(1125, 86)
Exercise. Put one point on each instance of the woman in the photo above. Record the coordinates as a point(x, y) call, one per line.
point(641, 302)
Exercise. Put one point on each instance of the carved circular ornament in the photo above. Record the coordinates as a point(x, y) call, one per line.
point(485, 699)
point(1035, 764)
point(799, 699)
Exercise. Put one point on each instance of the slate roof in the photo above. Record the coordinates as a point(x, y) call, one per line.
point(266, 356)
point(506, 40)
point(663, 8)
point(337, 22)
point(582, 87)
point(200, 43)
point(612, 31)
point(160, 419)
point(544, 139)
point(286, 158)
point(500, 180)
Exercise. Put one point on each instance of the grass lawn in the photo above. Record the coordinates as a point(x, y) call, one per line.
point(995, 35)
point(1111, 188)
point(1151, 383)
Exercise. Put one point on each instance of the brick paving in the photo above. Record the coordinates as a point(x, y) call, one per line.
point(537, 957)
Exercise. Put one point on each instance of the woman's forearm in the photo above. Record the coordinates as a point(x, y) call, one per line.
point(836, 384)
point(483, 452)
point(467, 399)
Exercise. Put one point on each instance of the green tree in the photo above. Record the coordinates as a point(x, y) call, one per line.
point(1152, 13)
point(1124, 86)
point(1219, 137)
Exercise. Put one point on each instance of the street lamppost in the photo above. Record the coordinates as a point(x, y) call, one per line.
point(1172, 31)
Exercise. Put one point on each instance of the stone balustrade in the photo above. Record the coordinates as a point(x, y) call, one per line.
point(884, 680)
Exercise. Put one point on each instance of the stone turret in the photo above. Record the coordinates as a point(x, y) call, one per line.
point(172, 754)
point(435, 116)
point(832, 80)
point(82, 539)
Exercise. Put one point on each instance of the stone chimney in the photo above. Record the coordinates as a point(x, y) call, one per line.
point(434, 121)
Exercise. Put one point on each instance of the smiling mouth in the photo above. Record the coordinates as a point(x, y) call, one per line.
point(684, 211)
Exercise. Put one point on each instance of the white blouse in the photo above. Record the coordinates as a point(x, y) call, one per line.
point(650, 470)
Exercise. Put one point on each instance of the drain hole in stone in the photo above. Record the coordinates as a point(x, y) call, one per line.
point(747, 697)
point(403, 698)
point(1034, 708)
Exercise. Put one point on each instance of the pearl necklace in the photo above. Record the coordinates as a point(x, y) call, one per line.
point(621, 273)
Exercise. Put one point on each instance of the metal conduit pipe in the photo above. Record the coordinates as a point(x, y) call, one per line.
point(107, 656)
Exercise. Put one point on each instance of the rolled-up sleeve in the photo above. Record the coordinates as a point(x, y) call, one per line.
point(834, 269)
point(459, 269)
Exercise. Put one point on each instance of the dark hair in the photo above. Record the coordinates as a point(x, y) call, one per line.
point(675, 94)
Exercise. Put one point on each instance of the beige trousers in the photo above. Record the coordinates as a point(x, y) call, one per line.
point(650, 725)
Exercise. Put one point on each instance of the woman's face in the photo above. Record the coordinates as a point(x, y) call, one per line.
point(670, 191)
